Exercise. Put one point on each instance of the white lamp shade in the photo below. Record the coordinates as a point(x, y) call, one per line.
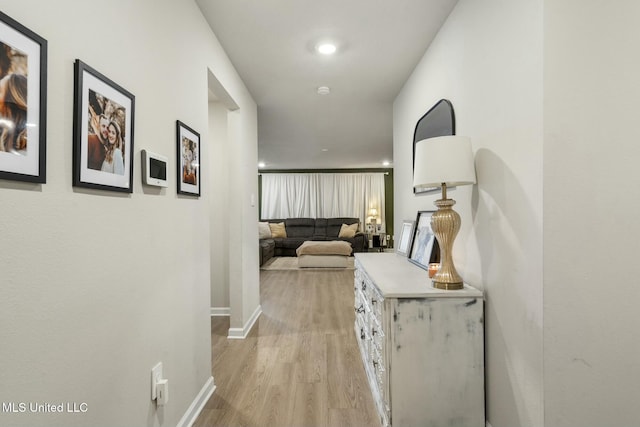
point(443, 159)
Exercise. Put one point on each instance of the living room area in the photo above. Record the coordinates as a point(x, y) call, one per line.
point(354, 206)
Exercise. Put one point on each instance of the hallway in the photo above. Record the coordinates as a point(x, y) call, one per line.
point(300, 365)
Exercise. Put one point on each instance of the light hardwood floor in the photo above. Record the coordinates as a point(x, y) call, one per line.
point(300, 364)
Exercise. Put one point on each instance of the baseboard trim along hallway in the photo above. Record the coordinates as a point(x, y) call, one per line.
point(241, 333)
point(196, 406)
point(220, 311)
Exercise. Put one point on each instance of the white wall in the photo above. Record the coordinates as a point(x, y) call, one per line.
point(487, 60)
point(97, 287)
point(591, 206)
point(244, 285)
point(242, 150)
point(219, 142)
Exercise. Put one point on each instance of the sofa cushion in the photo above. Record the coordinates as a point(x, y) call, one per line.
point(278, 230)
point(264, 231)
point(348, 230)
point(334, 225)
point(267, 249)
point(300, 227)
point(321, 227)
point(290, 242)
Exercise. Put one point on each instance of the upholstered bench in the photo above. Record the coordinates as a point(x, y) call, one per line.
point(323, 253)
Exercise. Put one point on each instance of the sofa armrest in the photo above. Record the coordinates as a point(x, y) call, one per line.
point(360, 242)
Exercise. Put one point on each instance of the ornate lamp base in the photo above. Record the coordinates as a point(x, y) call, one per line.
point(445, 223)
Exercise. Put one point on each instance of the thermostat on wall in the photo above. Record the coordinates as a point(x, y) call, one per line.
point(154, 169)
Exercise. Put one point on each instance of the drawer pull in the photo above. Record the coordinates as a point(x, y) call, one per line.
point(373, 331)
point(364, 286)
point(373, 301)
point(359, 309)
point(361, 333)
point(375, 364)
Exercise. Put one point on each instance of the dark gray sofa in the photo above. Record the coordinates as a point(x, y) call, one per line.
point(302, 229)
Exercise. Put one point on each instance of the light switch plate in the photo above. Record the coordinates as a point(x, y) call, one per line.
point(156, 375)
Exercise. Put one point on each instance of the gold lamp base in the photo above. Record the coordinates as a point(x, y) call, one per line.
point(445, 223)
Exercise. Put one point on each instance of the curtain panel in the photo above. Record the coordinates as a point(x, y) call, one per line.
point(323, 195)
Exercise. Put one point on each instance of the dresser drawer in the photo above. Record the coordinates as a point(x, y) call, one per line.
point(380, 377)
point(375, 301)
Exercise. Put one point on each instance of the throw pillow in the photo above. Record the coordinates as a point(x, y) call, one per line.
point(348, 230)
point(263, 230)
point(278, 230)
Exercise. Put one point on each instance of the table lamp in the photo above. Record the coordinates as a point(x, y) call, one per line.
point(373, 213)
point(444, 161)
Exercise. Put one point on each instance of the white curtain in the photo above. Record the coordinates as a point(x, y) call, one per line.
point(323, 195)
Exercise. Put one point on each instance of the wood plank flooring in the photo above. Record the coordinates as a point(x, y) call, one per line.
point(300, 364)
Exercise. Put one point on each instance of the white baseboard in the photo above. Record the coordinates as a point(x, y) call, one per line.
point(241, 333)
point(196, 406)
point(220, 311)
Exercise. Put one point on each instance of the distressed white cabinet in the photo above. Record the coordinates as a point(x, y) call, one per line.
point(422, 348)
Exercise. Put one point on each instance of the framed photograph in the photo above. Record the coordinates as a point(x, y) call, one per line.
point(188, 143)
point(406, 234)
point(424, 246)
point(103, 122)
point(23, 103)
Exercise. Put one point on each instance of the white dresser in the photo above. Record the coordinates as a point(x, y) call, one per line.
point(422, 348)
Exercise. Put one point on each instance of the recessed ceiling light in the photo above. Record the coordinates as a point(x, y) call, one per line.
point(386, 163)
point(325, 149)
point(324, 90)
point(261, 164)
point(326, 48)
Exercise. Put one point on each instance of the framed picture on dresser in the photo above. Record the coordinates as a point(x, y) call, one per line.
point(424, 245)
point(406, 234)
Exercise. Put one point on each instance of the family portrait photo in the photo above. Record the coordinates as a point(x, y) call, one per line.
point(22, 102)
point(106, 134)
point(190, 161)
point(103, 132)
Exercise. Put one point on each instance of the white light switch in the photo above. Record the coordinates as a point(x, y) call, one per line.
point(156, 375)
point(253, 200)
point(163, 392)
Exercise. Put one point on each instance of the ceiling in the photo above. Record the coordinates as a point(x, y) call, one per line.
point(272, 44)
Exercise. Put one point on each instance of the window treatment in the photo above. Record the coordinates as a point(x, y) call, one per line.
point(323, 195)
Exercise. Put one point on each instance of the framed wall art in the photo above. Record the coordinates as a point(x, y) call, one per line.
point(424, 246)
point(438, 121)
point(406, 234)
point(103, 123)
point(23, 103)
point(188, 145)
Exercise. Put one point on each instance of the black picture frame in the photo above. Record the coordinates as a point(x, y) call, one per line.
point(188, 160)
point(424, 245)
point(23, 130)
point(438, 121)
point(98, 161)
